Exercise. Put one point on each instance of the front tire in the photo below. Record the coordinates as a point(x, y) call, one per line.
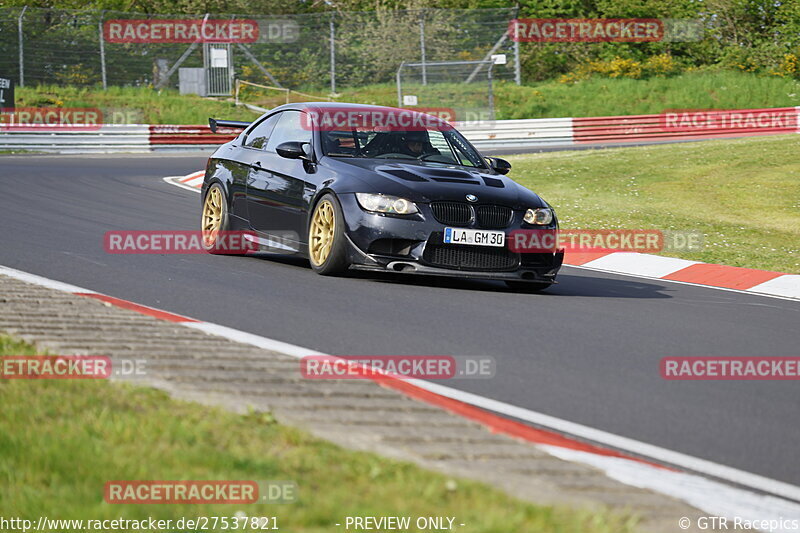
point(326, 240)
point(214, 218)
point(528, 286)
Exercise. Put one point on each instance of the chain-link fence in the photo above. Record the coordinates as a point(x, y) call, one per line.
point(326, 52)
point(465, 87)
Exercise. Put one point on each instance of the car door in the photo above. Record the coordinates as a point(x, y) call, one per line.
point(278, 189)
point(248, 163)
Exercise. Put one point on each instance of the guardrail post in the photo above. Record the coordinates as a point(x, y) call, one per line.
point(21, 48)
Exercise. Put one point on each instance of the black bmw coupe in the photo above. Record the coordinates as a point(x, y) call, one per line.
point(374, 188)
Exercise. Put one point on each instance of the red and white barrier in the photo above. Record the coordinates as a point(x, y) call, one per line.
point(176, 135)
point(672, 125)
point(675, 125)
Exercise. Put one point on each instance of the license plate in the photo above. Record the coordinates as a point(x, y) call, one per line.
point(474, 237)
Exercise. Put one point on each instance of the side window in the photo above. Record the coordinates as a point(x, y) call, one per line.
point(260, 134)
point(290, 127)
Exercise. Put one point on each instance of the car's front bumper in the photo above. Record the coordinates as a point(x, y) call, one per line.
point(413, 245)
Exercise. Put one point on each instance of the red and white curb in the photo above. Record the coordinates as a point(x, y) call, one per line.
point(192, 182)
point(748, 280)
point(619, 457)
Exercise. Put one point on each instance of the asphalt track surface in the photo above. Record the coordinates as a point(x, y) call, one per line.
point(587, 351)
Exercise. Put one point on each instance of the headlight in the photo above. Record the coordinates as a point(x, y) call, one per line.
point(380, 203)
point(542, 216)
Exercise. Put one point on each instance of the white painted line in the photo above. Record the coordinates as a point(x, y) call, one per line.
point(700, 497)
point(642, 264)
point(658, 453)
point(252, 339)
point(719, 500)
point(41, 281)
point(175, 180)
point(740, 291)
point(787, 285)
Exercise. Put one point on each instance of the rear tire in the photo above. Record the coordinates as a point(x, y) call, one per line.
point(528, 286)
point(326, 240)
point(214, 217)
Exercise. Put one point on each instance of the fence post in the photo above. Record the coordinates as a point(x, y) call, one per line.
point(422, 46)
point(399, 85)
point(333, 53)
point(517, 66)
point(102, 50)
point(21, 48)
point(491, 93)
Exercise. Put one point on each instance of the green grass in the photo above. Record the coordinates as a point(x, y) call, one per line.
point(597, 97)
point(593, 97)
point(743, 195)
point(144, 105)
point(60, 441)
point(606, 96)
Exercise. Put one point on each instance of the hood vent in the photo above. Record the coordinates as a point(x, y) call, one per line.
point(404, 175)
point(445, 173)
point(454, 180)
point(493, 182)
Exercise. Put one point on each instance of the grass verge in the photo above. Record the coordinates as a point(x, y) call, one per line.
point(743, 195)
point(138, 105)
point(60, 441)
point(613, 96)
point(592, 97)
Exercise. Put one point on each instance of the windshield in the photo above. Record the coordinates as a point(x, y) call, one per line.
point(446, 146)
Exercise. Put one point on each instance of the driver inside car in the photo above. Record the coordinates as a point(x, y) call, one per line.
point(417, 144)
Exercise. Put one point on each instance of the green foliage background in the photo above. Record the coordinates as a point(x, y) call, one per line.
point(760, 36)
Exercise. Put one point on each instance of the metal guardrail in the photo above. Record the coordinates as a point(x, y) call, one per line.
point(106, 139)
point(511, 134)
point(505, 134)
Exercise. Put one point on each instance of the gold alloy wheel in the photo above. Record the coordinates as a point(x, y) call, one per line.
point(212, 216)
point(323, 225)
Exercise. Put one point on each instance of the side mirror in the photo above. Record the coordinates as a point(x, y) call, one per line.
point(501, 166)
point(294, 150)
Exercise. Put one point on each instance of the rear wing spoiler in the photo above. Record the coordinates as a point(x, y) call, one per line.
point(214, 124)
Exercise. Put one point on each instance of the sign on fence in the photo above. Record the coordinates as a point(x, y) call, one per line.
point(6, 93)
